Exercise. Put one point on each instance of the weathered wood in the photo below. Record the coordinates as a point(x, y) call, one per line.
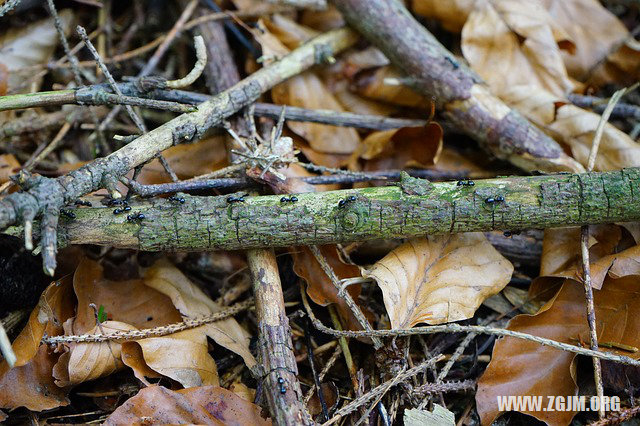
point(412, 207)
point(280, 383)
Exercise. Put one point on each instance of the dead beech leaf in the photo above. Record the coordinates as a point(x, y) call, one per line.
point(306, 90)
point(520, 367)
point(378, 84)
point(452, 14)
point(203, 405)
point(574, 127)
point(621, 66)
point(401, 148)
point(523, 39)
point(289, 32)
point(319, 286)
point(30, 45)
point(193, 302)
point(561, 247)
point(8, 166)
point(188, 160)
point(182, 356)
point(89, 361)
point(594, 30)
point(31, 380)
point(439, 279)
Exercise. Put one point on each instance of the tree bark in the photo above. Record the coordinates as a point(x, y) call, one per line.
point(464, 99)
point(412, 207)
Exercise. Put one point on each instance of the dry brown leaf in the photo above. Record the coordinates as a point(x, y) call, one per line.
point(322, 20)
point(188, 160)
point(319, 286)
point(621, 66)
point(452, 13)
point(8, 167)
point(289, 32)
point(89, 361)
point(520, 367)
point(183, 356)
point(439, 279)
point(31, 380)
point(210, 405)
point(30, 45)
point(192, 303)
point(308, 91)
point(516, 42)
point(401, 148)
point(593, 29)
point(574, 127)
point(561, 247)
point(380, 84)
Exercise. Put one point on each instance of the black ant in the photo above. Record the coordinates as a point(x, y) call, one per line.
point(509, 234)
point(291, 199)
point(492, 200)
point(83, 203)
point(283, 389)
point(467, 182)
point(115, 202)
point(176, 199)
point(119, 210)
point(349, 199)
point(231, 199)
point(135, 217)
point(68, 213)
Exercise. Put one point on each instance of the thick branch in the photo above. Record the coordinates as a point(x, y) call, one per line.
point(465, 99)
point(280, 381)
point(411, 208)
point(49, 195)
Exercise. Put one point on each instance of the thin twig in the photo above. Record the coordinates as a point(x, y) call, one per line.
point(381, 389)
point(332, 360)
point(5, 347)
point(584, 248)
point(355, 309)
point(151, 332)
point(196, 71)
point(479, 329)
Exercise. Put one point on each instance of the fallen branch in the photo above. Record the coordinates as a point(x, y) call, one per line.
point(462, 96)
point(46, 196)
point(410, 208)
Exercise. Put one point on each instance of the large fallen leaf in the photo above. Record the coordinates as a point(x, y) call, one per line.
point(574, 127)
point(188, 160)
point(130, 305)
point(384, 84)
point(452, 14)
point(520, 367)
point(193, 302)
point(516, 42)
point(210, 405)
point(308, 91)
point(30, 45)
point(31, 382)
point(319, 286)
point(439, 279)
point(401, 148)
point(89, 361)
point(594, 30)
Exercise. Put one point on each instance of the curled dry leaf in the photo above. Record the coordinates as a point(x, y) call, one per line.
point(452, 14)
point(89, 361)
point(520, 367)
point(210, 405)
point(401, 148)
point(529, 43)
point(308, 91)
point(574, 127)
point(383, 84)
point(319, 286)
point(30, 45)
point(31, 380)
point(439, 279)
point(192, 303)
point(594, 30)
point(188, 160)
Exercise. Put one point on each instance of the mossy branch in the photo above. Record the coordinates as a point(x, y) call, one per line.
point(411, 208)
